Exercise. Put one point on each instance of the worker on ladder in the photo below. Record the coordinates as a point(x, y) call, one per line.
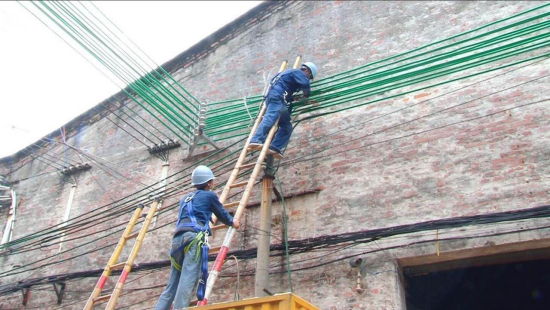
point(189, 254)
point(279, 106)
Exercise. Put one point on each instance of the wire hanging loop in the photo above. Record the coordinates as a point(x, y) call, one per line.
point(248, 111)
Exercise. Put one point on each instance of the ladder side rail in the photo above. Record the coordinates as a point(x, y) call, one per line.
point(255, 172)
point(114, 257)
point(213, 276)
point(235, 173)
point(128, 267)
point(242, 156)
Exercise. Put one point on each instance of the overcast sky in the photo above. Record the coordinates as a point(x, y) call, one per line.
point(45, 84)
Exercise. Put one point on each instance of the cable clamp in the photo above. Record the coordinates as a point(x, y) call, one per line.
point(206, 238)
point(189, 198)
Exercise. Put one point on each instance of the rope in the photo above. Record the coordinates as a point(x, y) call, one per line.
point(285, 232)
point(248, 111)
point(236, 295)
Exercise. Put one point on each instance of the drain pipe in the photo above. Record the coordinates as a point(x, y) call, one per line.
point(163, 175)
point(67, 214)
point(10, 225)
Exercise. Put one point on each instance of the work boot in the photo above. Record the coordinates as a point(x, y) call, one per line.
point(255, 146)
point(275, 154)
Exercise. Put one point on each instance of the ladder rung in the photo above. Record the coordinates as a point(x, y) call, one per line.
point(217, 227)
point(240, 184)
point(118, 266)
point(102, 298)
point(215, 249)
point(254, 148)
point(231, 204)
point(132, 236)
point(250, 165)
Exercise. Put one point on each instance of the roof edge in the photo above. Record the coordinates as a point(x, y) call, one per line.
point(183, 60)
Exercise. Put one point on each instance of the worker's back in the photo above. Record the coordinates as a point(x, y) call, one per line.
point(204, 204)
point(290, 82)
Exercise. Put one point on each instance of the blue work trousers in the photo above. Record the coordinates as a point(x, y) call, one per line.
point(276, 109)
point(181, 285)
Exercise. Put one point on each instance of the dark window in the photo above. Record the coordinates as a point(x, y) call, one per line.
point(513, 286)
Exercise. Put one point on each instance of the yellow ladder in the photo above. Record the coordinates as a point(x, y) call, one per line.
point(112, 264)
point(127, 235)
point(231, 183)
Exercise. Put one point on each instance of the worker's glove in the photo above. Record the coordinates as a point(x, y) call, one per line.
point(298, 97)
point(313, 103)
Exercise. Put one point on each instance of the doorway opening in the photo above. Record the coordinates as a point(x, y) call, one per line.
point(523, 284)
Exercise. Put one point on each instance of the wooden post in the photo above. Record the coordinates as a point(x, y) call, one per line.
point(264, 241)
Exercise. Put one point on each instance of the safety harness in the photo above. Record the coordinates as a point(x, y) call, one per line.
point(275, 80)
point(201, 239)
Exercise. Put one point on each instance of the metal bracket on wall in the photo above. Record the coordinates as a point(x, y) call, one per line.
point(164, 147)
point(59, 292)
point(26, 295)
point(199, 133)
point(72, 169)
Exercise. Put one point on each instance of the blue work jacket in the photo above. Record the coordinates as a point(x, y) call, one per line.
point(290, 82)
point(204, 204)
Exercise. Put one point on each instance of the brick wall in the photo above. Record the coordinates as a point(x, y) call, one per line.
point(384, 179)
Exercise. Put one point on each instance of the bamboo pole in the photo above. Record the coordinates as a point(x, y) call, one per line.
point(114, 257)
point(244, 200)
point(128, 267)
point(235, 173)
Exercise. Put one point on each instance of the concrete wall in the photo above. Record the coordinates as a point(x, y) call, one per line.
point(482, 166)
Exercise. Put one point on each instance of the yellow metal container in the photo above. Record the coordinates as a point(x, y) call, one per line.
point(286, 301)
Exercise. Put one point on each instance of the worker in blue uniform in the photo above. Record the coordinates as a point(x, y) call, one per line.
point(279, 106)
point(189, 253)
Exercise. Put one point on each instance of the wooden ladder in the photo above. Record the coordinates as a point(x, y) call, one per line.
point(222, 250)
point(233, 183)
point(112, 264)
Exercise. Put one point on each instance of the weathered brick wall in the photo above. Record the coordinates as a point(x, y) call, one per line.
point(384, 179)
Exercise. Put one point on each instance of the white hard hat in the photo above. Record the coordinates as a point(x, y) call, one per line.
point(201, 175)
point(312, 67)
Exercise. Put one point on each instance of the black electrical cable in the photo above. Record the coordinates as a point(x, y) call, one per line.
point(424, 116)
point(45, 161)
point(47, 258)
point(501, 111)
point(127, 106)
point(121, 109)
point(104, 217)
point(51, 157)
point(419, 132)
point(130, 125)
point(117, 125)
point(507, 109)
point(309, 244)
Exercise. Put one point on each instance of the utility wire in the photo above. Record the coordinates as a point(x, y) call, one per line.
point(367, 236)
point(500, 111)
point(121, 109)
point(124, 121)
